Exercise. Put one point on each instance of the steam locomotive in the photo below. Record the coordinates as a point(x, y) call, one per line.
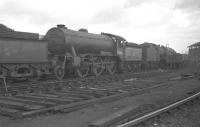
point(63, 51)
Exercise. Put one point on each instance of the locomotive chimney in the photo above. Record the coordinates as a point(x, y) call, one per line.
point(83, 30)
point(61, 26)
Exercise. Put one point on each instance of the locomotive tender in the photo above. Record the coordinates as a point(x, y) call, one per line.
point(132, 57)
point(23, 58)
point(64, 51)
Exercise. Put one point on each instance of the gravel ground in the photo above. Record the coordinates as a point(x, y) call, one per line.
point(185, 116)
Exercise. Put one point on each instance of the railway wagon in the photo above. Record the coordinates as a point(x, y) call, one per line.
point(132, 57)
point(150, 55)
point(194, 57)
point(163, 54)
point(23, 58)
point(174, 60)
point(168, 57)
point(82, 52)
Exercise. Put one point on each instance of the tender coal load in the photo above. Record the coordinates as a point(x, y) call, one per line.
point(6, 32)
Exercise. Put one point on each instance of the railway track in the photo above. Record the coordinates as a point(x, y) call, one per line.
point(29, 104)
point(25, 100)
point(129, 117)
point(92, 81)
point(29, 99)
point(159, 111)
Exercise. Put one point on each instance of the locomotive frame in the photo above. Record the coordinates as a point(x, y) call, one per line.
point(91, 63)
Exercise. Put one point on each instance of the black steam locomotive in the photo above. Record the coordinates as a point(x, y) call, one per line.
point(63, 51)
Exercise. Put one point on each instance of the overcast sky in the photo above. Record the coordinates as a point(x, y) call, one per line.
point(176, 22)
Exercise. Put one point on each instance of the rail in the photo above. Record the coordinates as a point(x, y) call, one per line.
point(158, 112)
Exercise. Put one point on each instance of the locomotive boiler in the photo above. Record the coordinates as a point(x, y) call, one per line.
point(63, 39)
point(84, 52)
